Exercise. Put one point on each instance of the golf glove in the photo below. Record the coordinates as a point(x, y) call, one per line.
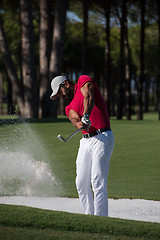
point(86, 121)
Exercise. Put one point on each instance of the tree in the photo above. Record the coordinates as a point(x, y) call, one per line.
point(127, 67)
point(85, 5)
point(141, 78)
point(111, 39)
point(121, 63)
point(55, 67)
point(158, 77)
point(1, 94)
point(11, 70)
point(44, 54)
point(58, 39)
point(28, 67)
point(107, 67)
point(153, 13)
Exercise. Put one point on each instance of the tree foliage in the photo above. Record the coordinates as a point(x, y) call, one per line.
point(71, 58)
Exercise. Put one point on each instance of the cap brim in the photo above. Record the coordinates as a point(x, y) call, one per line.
point(53, 95)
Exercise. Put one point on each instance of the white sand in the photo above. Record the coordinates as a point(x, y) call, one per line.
point(137, 209)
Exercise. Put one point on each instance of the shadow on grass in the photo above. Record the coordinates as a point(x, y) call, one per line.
point(34, 120)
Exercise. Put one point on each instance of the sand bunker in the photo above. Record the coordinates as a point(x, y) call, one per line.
point(137, 209)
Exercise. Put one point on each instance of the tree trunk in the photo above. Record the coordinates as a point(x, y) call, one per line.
point(127, 67)
point(85, 36)
point(107, 57)
point(158, 78)
point(28, 69)
point(55, 67)
point(44, 55)
point(147, 87)
point(58, 38)
point(10, 105)
point(141, 79)
point(1, 94)
point(121, 67)
point(11, 71)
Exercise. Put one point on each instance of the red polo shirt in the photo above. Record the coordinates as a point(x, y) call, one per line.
point(99, 116)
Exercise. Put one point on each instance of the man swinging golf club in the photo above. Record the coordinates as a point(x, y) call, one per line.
point(88, 109)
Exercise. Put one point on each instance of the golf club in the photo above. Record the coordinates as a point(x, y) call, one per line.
point(65, 140)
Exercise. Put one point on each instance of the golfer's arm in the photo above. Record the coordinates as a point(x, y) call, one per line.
point(75, 119)
point(88, 93)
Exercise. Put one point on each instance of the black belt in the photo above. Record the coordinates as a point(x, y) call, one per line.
point(98, 131)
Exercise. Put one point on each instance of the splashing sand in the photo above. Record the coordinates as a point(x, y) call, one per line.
point(24, 162)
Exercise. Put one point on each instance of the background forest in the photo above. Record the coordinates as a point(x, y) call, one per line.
point(116, 42)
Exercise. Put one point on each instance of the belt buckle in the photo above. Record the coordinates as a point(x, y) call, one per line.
point(86, 135)
point(98, 131)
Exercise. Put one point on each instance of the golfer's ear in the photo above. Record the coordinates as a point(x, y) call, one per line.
point(66, 84)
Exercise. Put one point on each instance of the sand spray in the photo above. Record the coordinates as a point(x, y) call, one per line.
point(24, 163)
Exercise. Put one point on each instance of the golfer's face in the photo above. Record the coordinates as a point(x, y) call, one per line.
point(65, 92)
point(61, 93)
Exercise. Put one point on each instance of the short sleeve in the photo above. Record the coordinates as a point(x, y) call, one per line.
point(83, 79)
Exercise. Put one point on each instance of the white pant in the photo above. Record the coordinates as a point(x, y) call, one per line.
point(92, 170)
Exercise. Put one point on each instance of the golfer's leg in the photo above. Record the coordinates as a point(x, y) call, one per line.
point(100, 167)
point(83, 179)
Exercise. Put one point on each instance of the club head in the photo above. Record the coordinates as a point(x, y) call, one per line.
point(61, 138)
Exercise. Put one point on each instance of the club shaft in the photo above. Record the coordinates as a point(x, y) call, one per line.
point(73, 134)
point(65, 140)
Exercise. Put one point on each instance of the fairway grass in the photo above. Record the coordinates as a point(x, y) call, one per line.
point(25, 223)
point(134, 165)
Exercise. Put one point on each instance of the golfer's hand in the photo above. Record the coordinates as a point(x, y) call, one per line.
point(86, 122)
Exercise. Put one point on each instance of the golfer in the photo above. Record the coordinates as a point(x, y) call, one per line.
point(86, 108)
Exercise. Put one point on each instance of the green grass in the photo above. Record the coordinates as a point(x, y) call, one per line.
point(134, 166)
point(28, 223)
point(134, 173)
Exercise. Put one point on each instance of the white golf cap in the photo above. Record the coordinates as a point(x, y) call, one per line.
point(56, 82)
